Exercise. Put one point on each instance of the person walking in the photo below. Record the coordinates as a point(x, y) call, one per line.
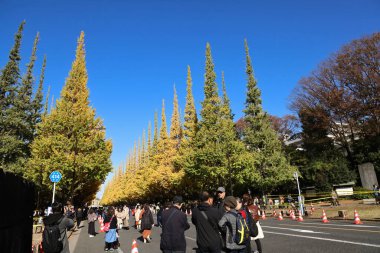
point(253, 210)
point(174, 224)
point(147, 222)
point(111, 241)
point(120, 215)
point(137, 217)
point(205, 217)
point(91, 218)
point(228, 223)
point(56, 221)
point(126, 217)
point(79, 216)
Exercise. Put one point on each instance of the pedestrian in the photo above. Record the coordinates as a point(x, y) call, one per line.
point(220, 201)
point(56, 225)
point(137, 217)
point(120, 215)
point(79, 216)
point(228, 223)
point(147, 222)
point(174, 224)
point(205, 217)
point(111, 241)
point(91, 218)
point(253, 210)
point(126, 217)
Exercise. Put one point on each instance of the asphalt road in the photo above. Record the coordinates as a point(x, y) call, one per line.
point(280, 236)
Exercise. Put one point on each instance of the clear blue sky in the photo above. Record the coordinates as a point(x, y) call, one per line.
point(137, 50)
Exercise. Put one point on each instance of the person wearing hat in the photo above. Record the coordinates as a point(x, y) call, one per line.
point(221, 192)
point(229, 219)
point(174, 224)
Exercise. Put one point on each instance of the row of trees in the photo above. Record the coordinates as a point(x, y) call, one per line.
point(203, 154)
point(35, 141)
point(336, 114)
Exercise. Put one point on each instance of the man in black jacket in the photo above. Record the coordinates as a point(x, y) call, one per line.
point(206, 218)
point(174, 224)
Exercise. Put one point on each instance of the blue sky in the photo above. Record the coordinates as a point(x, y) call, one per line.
point(137, 50)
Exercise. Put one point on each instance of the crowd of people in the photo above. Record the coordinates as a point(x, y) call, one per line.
point(215, 218)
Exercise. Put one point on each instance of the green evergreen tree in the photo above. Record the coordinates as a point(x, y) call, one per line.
point(267, 164)
point(11, 144)
point(70, 139)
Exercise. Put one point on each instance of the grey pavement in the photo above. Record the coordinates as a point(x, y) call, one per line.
point(280, 236)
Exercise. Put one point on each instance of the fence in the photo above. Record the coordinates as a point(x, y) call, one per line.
point(16, 213)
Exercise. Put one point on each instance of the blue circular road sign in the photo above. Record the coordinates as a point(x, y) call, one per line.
point(55, 176)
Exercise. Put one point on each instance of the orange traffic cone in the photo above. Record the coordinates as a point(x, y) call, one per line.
point(274, 213)
point(280, 216)
point(300, 218)
point(324, 217)
point(263, 216)
point(357, 219)
point(134, 247)
point(292, 215)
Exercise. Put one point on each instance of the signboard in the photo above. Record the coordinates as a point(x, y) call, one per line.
point(345, 191)
point(55, 176)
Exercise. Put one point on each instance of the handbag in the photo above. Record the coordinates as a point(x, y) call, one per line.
point(260, 235)
point(221, 240)
point(105, 227)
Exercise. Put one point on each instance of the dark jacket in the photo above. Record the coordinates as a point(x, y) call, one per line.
point(113, 224)
point(65, 223)
point(220, 207)
point(174, 224)
point(147, 220)
point(207, 229)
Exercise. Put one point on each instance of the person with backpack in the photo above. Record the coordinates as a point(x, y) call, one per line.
point(147, 223)
point(235, 226)
point(174, 225)
point(205, 217)
point(54, 237)
point(251, 222)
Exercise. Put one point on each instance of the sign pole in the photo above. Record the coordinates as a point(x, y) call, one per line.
point(53, 193)
point(299, 193)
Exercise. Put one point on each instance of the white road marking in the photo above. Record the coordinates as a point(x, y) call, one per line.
point(327, 239)
point(297, 230)
point(338, 225)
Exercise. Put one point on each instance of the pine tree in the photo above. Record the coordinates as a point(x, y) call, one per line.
point(268, 164)
point(70, 139)
point(11, 145)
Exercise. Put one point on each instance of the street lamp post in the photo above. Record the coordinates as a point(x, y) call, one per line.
point(299, 193)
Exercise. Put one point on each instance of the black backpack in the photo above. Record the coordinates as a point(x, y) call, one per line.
point(252, 224)
point(51, 241)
